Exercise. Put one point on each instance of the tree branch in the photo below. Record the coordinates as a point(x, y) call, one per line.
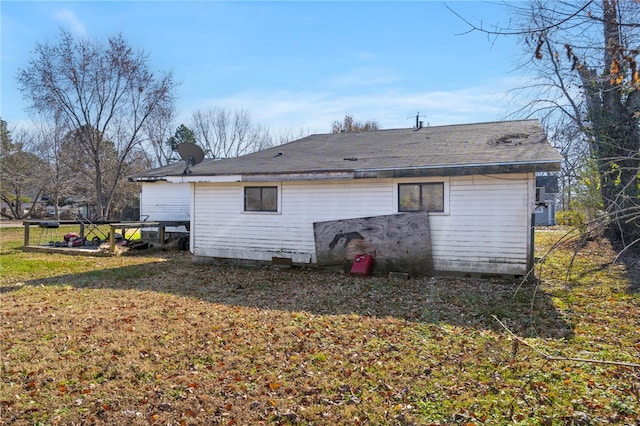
point(548, 357)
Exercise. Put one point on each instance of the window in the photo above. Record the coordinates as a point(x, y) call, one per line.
point(414, 197)
point(261, 199)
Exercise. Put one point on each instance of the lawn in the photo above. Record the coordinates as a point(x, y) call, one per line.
point(152, 338)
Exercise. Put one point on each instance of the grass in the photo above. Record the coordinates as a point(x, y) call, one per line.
point(153, 338)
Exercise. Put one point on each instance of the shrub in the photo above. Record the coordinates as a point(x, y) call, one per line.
point(571, 218)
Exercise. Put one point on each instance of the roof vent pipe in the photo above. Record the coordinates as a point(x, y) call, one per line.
point(418, 121)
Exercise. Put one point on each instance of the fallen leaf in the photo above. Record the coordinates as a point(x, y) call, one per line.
point(274, 386)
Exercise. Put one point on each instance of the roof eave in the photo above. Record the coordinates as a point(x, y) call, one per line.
point(459, 169)
point(374, 173)
point(147, 178)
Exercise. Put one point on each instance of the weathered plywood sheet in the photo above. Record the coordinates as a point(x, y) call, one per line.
point(398, 242)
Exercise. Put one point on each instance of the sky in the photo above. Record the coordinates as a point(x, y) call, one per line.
point(294, 66)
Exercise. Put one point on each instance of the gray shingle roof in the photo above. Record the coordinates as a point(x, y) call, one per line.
point(159, 173)
point(506, 146)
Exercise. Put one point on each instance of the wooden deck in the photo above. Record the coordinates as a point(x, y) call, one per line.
point(47, 226)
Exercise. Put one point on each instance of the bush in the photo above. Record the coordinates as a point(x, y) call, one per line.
point(571, 218)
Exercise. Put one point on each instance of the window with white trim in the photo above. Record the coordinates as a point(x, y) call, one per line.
point(261, 198)
point(415, 197)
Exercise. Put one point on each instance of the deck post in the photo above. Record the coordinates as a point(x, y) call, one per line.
point(161, 234)
point(112, 238)
point(26, 233)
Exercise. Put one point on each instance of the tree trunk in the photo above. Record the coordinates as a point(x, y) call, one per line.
point(618, 163)
point(615, 138)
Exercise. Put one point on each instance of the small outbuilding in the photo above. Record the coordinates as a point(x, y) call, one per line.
point(423, 201)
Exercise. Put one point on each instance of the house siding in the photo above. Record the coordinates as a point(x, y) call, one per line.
point(484, 228)
point(225, 230)
point(487, 229)
point(164, 201)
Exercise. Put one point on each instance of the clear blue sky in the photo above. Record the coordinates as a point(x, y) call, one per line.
point(292, 65)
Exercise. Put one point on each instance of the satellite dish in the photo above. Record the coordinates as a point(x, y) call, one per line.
point(191, 153)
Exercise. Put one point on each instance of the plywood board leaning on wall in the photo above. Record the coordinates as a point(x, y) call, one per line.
point(398, 243)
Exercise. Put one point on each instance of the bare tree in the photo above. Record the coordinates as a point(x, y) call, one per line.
point(348, 124)
point(573, 147)
point(20, 172)
point(286, 136)
point(224, 134)
point(157, 130)
point(584, 54)
point(105, 93)
point(56, 168)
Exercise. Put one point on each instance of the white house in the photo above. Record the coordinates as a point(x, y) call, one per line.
point(162, 201)
point(458, 199)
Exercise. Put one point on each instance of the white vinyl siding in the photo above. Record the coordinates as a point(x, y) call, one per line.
point(484, 228)
point(223, 231)
point(164, 201)
point(487, 229)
